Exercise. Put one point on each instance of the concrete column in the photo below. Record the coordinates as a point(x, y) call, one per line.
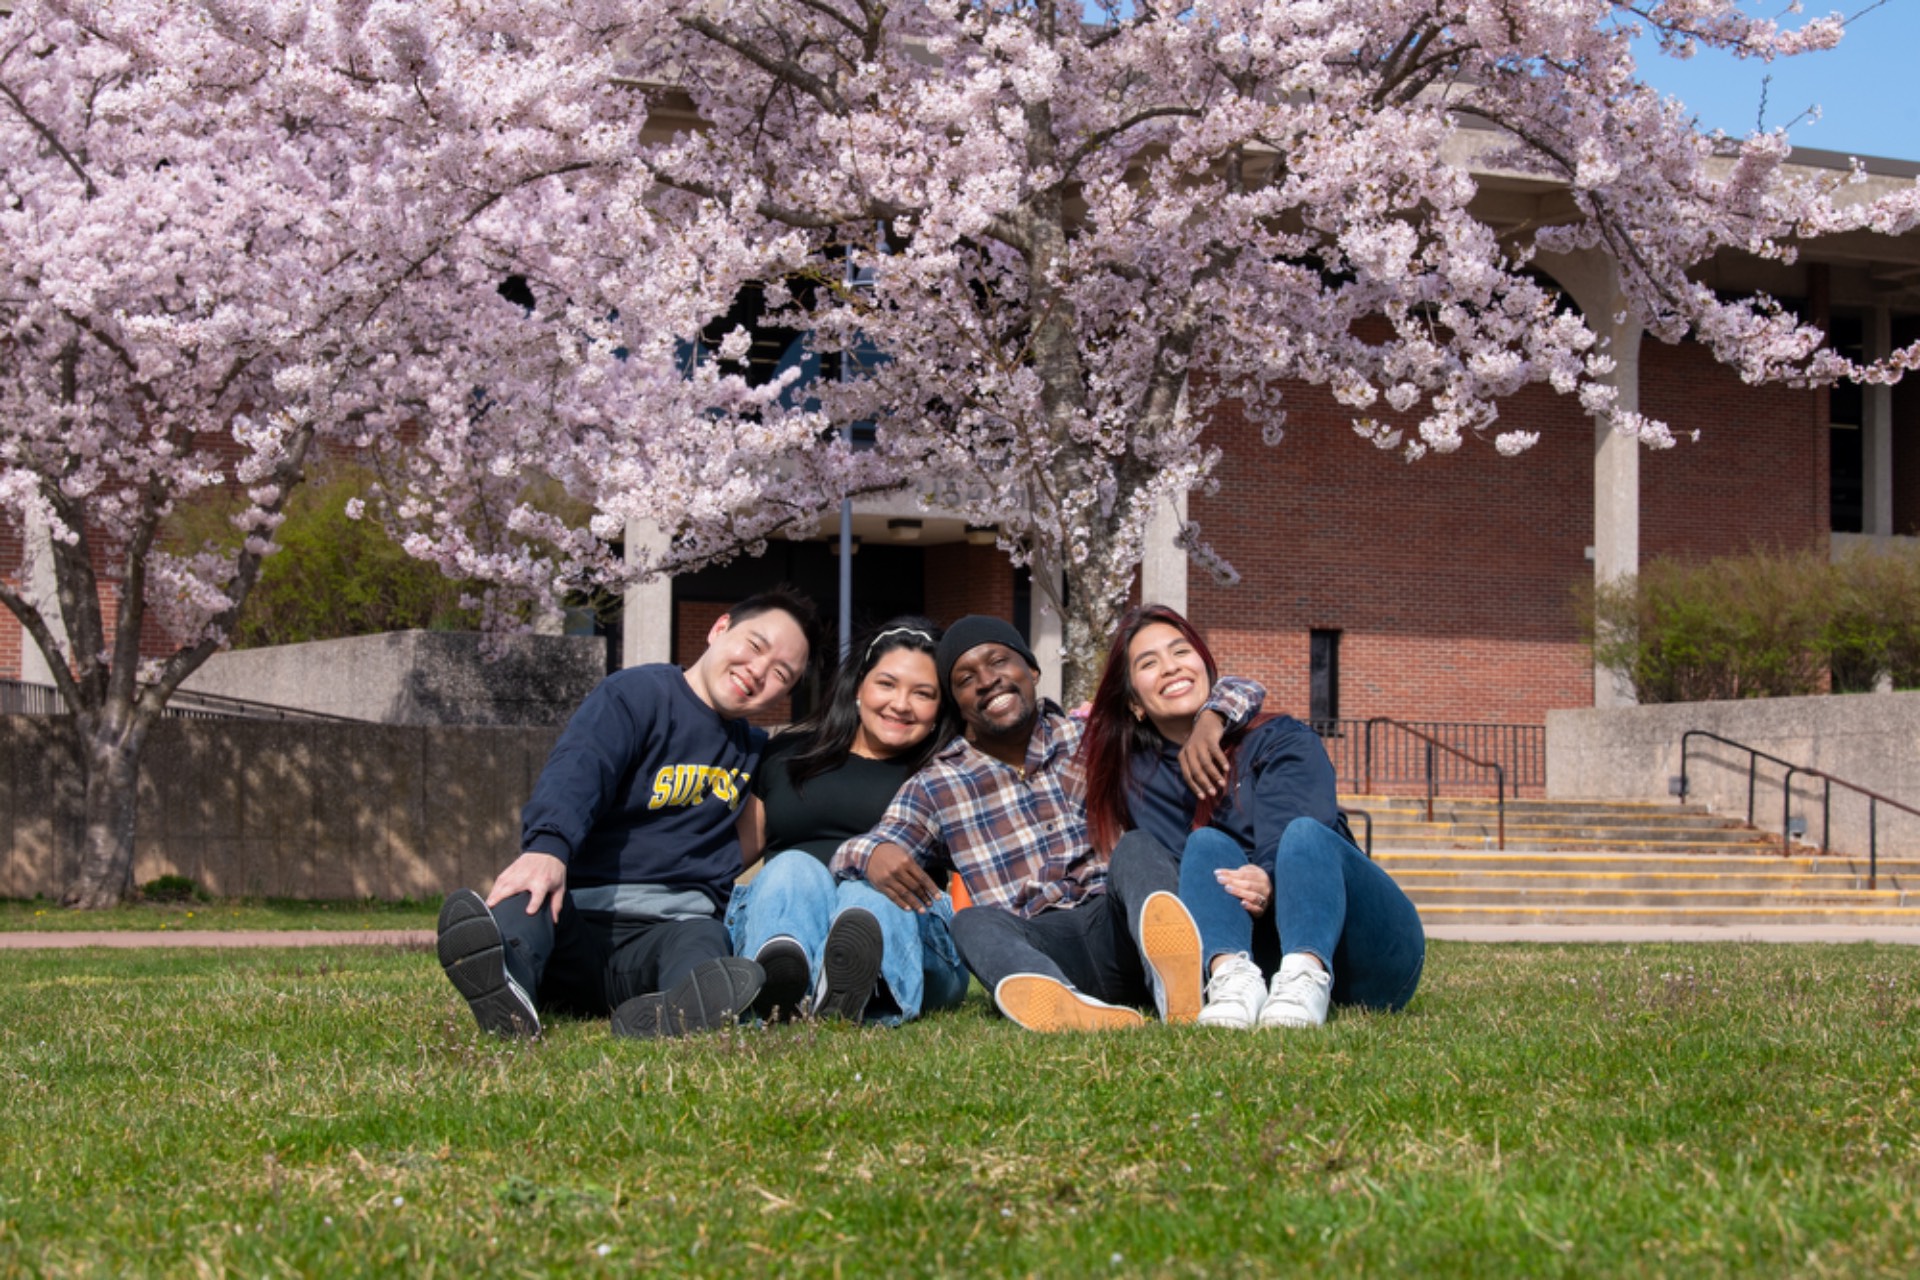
point(646, 614)
point(43, 592)
point(1046, 629)
point(1163, 565)
point(1589, 277)
point(1876, 443)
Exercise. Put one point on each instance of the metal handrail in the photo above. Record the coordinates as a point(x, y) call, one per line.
point(1755, 755)
point(20, 697)
point(1519, 748)
point(1499, 772)
point(1366, 819)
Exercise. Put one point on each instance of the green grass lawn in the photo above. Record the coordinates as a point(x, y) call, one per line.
point(42, 916)
point(1541, 1110)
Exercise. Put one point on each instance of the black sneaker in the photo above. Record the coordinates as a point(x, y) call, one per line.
point(849, 965)
point(475, 961)
point(788, 983)
point(711, 997)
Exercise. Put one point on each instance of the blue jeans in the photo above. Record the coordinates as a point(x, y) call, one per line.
point(1093, 947)
point(1329, 900)
point(797, 897)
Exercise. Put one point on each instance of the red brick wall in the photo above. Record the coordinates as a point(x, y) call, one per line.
point(1451, 579)
point(13, 556)
point(1757, 476)
point(963, 579)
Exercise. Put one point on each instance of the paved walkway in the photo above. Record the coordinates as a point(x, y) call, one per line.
point(126, 939)
point(1906, 935)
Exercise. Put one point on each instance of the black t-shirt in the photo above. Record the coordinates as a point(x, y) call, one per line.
point(829, 808)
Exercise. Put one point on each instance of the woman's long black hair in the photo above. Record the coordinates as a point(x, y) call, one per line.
point(829, 732)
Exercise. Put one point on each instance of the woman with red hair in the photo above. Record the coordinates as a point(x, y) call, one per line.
point(1267, 866)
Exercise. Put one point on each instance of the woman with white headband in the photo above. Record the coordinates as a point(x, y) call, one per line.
point(841, 949)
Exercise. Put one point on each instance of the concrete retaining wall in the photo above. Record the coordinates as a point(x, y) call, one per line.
point(416, 677)
point(1871, 739)
point(272, 809)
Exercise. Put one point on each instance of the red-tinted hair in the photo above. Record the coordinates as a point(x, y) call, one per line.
point(1114, 736)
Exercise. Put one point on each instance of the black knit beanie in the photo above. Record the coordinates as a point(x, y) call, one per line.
point(971, 631)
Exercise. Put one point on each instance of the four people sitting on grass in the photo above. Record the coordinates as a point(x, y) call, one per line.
point(1173, 859)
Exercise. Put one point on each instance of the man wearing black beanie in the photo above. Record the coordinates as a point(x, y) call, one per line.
point(1063, 939)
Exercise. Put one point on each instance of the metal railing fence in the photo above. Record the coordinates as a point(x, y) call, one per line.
point(1828, 781)
point(19, 698)
point(1395, 753)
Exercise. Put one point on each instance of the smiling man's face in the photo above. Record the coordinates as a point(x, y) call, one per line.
point(995, 690)
point(751, 664)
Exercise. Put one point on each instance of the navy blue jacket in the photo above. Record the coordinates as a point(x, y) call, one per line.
point(644, 786)
point(1280, 772)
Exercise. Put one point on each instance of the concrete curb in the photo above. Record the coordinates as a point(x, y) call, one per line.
point(1905, 935)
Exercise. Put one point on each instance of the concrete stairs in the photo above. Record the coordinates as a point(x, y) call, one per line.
point(1605, 863)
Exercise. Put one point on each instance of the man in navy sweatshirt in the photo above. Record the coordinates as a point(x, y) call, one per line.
point(629, 849)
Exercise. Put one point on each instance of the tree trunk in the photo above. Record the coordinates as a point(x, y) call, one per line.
point(110, 757)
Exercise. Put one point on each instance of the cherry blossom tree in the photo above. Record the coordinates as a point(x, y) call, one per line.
point(493, 248)
point(1070, 232)
point(233, 235)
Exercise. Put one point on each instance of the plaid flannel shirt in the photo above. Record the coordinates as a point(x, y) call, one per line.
point(1017, 837)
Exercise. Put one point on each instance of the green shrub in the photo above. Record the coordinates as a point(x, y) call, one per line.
point(173, 889)
point(332, 576)
point(1874, 630)
point(1755, 626)
point(1770, 624)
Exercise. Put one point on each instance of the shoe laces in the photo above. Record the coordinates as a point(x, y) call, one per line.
point(1297, 985)
point(1239, 982)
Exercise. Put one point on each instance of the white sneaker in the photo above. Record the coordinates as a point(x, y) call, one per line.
point(1299, 995)
point(1235, 993)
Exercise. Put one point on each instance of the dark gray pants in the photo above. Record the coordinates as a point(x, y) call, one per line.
point(592, 962)
point(1093, 947)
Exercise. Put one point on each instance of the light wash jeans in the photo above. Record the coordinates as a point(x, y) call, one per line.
point(1329, 899)
point(796, 896)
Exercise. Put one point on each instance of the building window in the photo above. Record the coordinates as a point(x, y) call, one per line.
point(1323, 677)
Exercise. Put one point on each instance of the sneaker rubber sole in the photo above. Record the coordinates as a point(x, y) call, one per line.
point(711, 997)
point(475, 961)
point(850, 965)
point(1040, 1003)
point(787, 984)
point(1170, 944)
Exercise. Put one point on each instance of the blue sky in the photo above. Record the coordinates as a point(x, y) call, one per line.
point(1865, 87)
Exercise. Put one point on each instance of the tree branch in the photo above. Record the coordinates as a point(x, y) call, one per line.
point(781, 69)
point(52, 141)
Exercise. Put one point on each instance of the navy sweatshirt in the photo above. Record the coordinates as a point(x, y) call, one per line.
point(1281, 772)
point(643, 788)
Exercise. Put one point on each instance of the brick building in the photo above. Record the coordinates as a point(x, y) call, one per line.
point(1444, 589)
